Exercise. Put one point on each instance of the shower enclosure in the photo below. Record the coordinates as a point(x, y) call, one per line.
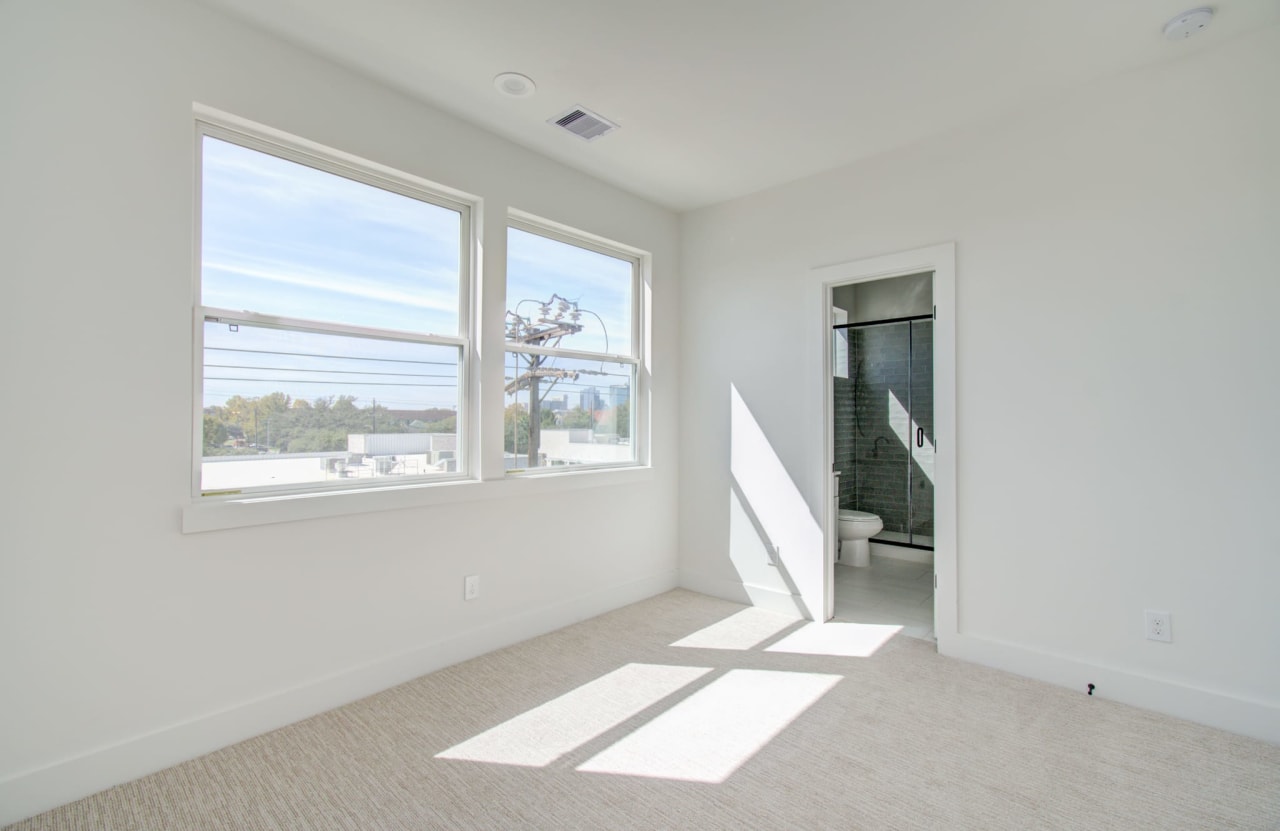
point(883, 396)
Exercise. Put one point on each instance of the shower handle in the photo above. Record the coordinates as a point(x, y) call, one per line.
point(919, 437)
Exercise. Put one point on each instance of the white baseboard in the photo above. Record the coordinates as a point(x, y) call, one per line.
point(34, 791)
point(1214, 708)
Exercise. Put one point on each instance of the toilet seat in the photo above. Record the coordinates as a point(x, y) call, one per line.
point(857, 516)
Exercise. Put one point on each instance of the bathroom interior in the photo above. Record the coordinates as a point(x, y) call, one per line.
point(882, 397)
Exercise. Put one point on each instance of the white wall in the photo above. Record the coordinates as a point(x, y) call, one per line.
point(1117, 291)
point(126, 645)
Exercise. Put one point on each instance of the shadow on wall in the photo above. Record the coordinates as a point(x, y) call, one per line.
point(775, 543)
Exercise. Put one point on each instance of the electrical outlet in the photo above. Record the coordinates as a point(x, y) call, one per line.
point(1159, 626)
point(471, 587)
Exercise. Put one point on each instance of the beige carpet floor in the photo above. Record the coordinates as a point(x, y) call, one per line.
point(608, 725)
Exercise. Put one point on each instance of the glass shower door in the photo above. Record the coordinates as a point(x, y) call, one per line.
point(883, 419)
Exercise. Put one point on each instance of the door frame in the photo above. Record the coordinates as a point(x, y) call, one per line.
point(941, 260)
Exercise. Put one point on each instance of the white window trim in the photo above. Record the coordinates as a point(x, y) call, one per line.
point(203, 514)
point(217, 515)
point(640, 265)
point(218, 125)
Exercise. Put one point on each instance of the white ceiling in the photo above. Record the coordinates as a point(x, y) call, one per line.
point(720, 98)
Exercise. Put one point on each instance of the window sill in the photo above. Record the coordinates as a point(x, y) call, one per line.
point(267, 510)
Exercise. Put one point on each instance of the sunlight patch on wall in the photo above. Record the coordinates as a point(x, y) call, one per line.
point(750, 551)
point(713, 732)
point(776, 506)
point(742, 630)
point(847, 640)
point(538, 737)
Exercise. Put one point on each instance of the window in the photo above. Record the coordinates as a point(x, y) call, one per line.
point(350, 365)
point(572, 359)
point(839, 343)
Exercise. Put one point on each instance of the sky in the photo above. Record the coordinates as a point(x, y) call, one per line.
point(280, 238)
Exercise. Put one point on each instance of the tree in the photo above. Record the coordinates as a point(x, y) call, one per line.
point(276, 402)
point(577, 418)
point(515, 427)
point(444, 425)
point(292, 425)
point(315, 440)
point(215, 434)
point(622, 416)
point(238, 411)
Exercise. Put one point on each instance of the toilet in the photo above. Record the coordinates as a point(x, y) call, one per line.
point(856, 529)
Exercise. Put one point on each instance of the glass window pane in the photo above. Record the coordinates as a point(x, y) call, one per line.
point(280, 238)
point(292, 408)
point(561, 295)
point(562, 411)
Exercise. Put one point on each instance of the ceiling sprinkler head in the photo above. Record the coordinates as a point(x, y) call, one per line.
point(1188, 23)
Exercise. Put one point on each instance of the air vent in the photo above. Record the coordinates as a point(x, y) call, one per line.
point(584, 124)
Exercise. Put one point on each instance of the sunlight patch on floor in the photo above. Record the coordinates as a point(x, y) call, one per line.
point(538, 737)
point(713, 732)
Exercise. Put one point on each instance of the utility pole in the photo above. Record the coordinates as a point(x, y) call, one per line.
point(557, 317)
point(535, 418)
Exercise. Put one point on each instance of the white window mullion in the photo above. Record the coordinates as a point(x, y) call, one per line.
point(297, 325)
point(572, 353)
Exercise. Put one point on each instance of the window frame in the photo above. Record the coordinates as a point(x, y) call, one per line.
point(640, 264)
point(223, 127)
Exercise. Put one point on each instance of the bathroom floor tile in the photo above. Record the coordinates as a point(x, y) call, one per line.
point(888, 591)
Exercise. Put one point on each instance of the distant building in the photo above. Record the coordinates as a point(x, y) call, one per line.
point(581, 447)
point(435, 445)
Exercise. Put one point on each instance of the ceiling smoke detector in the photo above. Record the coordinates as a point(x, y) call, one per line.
point(584, 124)
point(514, 84)
point(1188, 23)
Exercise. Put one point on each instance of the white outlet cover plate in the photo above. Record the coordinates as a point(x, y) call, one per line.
point(1159, 626)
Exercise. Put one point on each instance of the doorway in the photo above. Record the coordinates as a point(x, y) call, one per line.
point(882, 419)
point(890, 423)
